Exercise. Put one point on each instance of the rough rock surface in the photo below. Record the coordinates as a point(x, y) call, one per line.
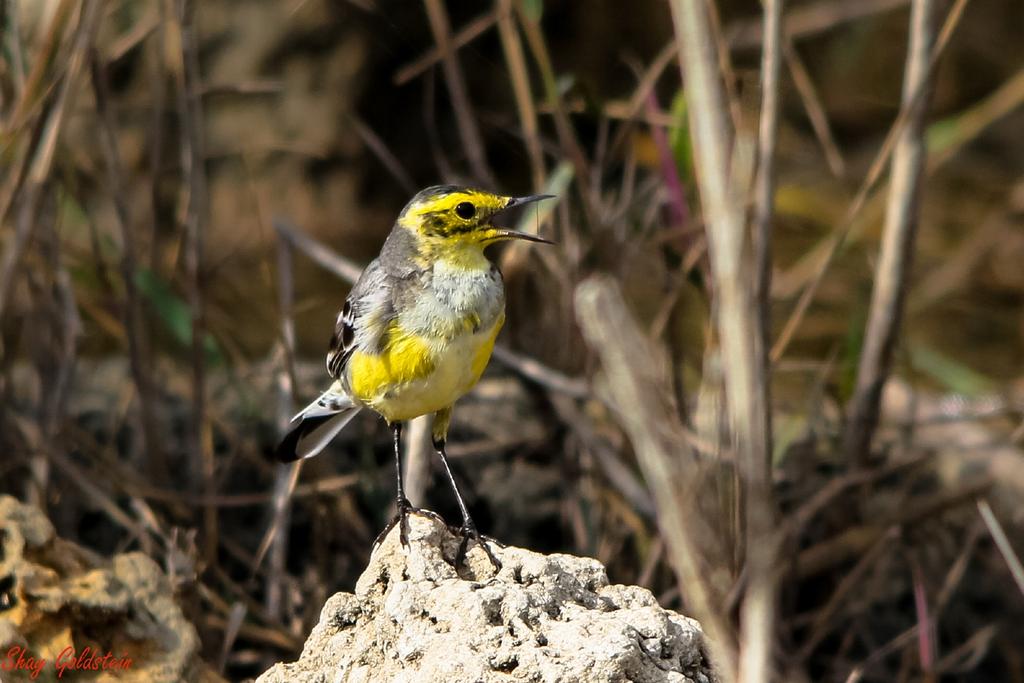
point(55, 595)
point(540, 618)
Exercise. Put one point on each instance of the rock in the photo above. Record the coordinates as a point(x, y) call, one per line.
point(541, 618)
point(62, 606)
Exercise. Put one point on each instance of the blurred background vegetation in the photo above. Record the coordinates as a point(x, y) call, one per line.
point(187, 189)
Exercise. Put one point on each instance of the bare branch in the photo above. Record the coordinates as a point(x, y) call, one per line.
point(900, 229)
point(464, 36)
point(132, 312)
point(874, 174)
point(193, 159)
point(472, 143)
point(722, 197)
point(325, 257)
point(520, 75)
point(764, 188)
point(758, 611)
point(637, 389)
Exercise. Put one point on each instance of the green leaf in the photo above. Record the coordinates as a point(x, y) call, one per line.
point(943, 134)
point(852, 348)
point(173, 312)
point(679, 137)
point(949, 372)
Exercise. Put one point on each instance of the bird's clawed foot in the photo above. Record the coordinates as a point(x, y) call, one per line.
point(401, 518)
point(468, 531)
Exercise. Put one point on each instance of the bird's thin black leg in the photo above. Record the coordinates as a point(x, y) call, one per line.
point(402, 505)
point(468, 529)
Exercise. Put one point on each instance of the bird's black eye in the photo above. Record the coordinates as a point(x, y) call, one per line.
point(465, 210)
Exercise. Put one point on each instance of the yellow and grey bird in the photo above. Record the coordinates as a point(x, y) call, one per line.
point(417, 329)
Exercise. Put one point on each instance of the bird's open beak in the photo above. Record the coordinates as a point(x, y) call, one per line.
point(516, 235)
point(515, 202)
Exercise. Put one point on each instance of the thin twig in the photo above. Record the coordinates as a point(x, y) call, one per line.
point(764, 188)
point(968, 654)
point(976, 118)
point(813, 106)
point(807, 20)
point(87, 483)
point(37, 155)
point(563, 126)
point(139, 32)
point(639, 97)
point(874, 174)
point(469, 132)
point(897, 241)
point(520, 76)
point(324, 256)
point(618, 472)
point(1003, 543)
point(726, 73)
point(464, 36)
point(12, 44)
point(194, 175)
point(536, 371)
point(949, 584)
point(416, 454)
point(925, 623)
point(850, 580)
point(284, 486)
point(132, 310)
point(444, 166)
point(234, 623)
point(29, 188)
point(283, 477)
point(381, 151)
point(158, 87)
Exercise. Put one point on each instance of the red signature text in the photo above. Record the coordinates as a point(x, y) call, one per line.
point(19, 659)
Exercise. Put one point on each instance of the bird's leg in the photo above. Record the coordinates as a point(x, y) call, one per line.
point(402, 504)
point(468, 529)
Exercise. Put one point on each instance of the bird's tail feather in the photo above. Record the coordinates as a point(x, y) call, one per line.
point(315, 426)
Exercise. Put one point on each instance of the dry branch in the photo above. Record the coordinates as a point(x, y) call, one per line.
point(864, 193)
point(472, 143)
point(722, 198)
point(810, 19)
point(284, 477)
point(764, 187)
point(194, 178)
point(324, 256)
point(901, 219)
point(520, 75)
point(465, 35)
point(132, 311)
point(637, 388)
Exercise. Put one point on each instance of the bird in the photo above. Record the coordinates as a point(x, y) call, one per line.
point(417, 331)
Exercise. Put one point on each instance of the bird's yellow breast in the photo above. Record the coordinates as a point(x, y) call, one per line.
point(416, 375)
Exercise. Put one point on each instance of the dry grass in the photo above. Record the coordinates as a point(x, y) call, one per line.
point(660, 400)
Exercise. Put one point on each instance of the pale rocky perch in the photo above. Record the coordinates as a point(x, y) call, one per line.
point(541, 618)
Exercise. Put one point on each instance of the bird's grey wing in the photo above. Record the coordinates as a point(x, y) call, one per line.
point(363, 322)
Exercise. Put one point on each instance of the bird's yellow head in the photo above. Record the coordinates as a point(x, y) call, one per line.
point(450, 216)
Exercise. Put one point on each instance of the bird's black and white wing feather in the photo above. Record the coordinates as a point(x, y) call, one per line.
point(363, 324)
point(363, 320)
